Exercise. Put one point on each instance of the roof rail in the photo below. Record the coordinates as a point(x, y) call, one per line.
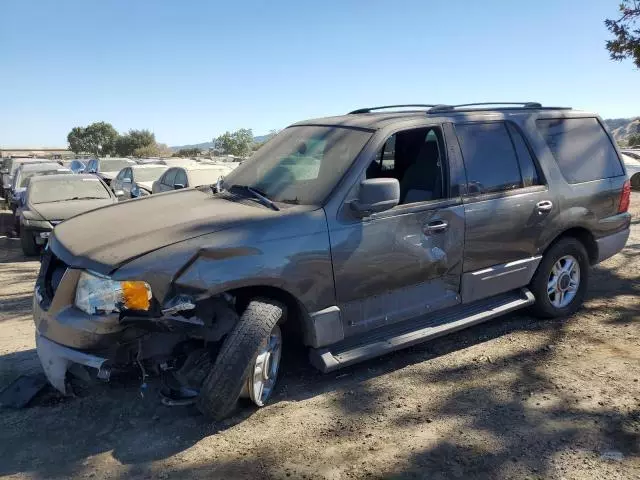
point(462, 107)
point(384, 107)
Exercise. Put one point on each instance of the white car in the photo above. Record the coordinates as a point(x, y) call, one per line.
point(136, 181)
point(190, 176)
point(633, 168)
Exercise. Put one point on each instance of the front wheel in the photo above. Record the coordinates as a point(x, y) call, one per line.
point(248, 361)
point(560, 283)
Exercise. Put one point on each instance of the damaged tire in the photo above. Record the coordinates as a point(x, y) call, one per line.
point(247, 364)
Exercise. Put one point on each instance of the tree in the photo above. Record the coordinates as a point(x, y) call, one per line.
point(626, 31)
point(269, 136)
point(126, 145)
point(154, 150)
point(237, 143)
point(99, 138)
point(634, 140)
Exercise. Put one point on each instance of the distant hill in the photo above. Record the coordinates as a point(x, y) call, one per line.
point(623, 128)
point(208, 145)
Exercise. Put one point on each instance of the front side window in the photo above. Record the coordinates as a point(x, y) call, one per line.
point(302, 164)
point(181, 178)
point(489, 158)
point(581, 148)
point(416, 159)
point(169, 177)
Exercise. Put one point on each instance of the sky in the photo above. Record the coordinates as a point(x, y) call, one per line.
point(191, 70)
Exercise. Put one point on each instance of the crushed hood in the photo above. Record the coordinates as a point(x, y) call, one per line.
point(104, 239)
point(71, 208)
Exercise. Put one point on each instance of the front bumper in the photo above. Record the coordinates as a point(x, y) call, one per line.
point(56, 360)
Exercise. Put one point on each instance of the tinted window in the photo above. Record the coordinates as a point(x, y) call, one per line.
point(181, 178)
point(169, 177)
point(528, 168)
point(489, 157)
point(581, 147)
point(127, 174)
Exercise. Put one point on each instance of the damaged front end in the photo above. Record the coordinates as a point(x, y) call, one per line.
point(123, 326)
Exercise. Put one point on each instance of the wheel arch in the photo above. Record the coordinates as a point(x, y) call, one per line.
point(584, 236)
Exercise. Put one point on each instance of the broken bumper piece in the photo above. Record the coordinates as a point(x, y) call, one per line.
point(56, 360)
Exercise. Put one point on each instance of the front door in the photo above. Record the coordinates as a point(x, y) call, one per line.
point(397, 264)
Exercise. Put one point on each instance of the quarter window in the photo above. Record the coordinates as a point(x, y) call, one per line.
point(581, 148)
point(489, 158)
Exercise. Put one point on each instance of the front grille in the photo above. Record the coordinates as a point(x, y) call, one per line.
point(52, 269)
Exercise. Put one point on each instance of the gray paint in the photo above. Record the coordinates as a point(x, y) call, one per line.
point(610, 245)
point(498, 279)
point(354, 275)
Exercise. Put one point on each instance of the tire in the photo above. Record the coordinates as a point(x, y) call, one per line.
point(28, 243)
point(225, 382)
point(544, 307)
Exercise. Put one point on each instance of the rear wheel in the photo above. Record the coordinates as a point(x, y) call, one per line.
point(248, 362)
point(560, 283)
point(28, 243)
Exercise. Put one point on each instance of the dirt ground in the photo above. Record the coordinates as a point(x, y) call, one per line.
point(512, 398)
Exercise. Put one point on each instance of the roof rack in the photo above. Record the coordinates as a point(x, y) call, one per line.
point(384, 107)
point(464, 106)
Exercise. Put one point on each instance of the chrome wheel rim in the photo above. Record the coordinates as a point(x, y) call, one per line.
point(564, 281)
point(262, 378)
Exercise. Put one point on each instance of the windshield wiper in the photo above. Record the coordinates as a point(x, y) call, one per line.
point(258, 195)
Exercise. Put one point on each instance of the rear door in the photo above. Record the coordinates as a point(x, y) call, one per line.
point(406, 261)
point(507, 208)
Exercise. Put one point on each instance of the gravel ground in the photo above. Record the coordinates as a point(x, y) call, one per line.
point(513, 398)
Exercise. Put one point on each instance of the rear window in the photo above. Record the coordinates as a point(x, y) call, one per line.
point(581, 148)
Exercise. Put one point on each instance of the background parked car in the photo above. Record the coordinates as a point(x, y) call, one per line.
point(190, 176)
point(75, 165)
point(9, 167)
point(52, 199)
point(633, 168)
point(108, 168)
point(25, 173)
point(136, 181)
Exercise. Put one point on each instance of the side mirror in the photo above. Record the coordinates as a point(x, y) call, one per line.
point(376, 195)
point(178, 186)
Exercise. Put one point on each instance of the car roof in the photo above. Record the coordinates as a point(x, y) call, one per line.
point(204, 166)
point(376, 118)
point(27, 167)
point(51, 178)
point(146, 166)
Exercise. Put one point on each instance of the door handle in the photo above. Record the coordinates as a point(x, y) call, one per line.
point(544, 206)
point(435, 227)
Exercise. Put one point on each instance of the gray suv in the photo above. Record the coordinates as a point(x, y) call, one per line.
point(354, 235)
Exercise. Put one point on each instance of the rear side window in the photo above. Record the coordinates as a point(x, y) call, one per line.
point(489, 157)
point(169, 177)
point(181, 178)
point(581, 148)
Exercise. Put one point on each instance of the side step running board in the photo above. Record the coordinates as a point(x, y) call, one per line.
point(421, 329)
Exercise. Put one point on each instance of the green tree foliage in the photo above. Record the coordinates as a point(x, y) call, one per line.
point(188, 152)
point(236, 143)
point(127, 145)
point(626, 32)
point(97, 138)
point(634, 140)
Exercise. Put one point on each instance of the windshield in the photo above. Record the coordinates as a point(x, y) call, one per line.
point(25, 176)
point(301, 164)
point(148, 174)
point(207, 176)
point(115, 165)
point(66, 189)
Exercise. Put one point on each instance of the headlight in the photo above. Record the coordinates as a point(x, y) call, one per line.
point(98, 295)
point(36, 223)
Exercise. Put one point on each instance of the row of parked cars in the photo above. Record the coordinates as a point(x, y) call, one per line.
point(42, 193)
